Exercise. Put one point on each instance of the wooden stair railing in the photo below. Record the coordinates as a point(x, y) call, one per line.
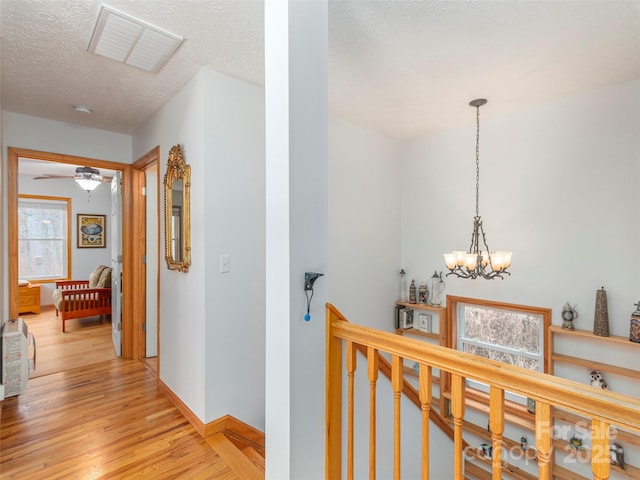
point(383, 365)
point(604, 408)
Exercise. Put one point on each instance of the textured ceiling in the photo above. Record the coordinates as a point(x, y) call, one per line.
point(46, 68)
point(404, 68)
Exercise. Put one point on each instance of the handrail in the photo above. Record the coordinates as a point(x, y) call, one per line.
point(604, 407)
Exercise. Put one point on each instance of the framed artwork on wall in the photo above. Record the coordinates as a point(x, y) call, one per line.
point(92, 231)
point(424, 322)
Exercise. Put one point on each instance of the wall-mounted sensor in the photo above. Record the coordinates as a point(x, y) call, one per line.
point(309, 279)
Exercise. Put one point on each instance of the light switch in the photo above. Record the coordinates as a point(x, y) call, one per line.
point(225, 263)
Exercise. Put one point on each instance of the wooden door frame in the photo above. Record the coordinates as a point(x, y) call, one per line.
point(152, 157)
point(131, 326)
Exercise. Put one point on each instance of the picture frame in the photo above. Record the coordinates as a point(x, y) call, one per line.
point(424, 322)
point(406, 319)
point(92, 230)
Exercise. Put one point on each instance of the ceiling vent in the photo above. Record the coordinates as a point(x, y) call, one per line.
point(126, 39)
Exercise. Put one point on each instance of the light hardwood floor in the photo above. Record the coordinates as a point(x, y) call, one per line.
point(105, 420)
point(86, 341)
point(85, 414)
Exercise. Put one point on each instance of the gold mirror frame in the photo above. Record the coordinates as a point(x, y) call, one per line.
point(177, 171)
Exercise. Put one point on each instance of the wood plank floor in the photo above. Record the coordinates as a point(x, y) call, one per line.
point(86, 341)
point(105, 420)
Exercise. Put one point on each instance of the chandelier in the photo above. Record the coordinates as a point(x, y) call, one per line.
point(478, 261)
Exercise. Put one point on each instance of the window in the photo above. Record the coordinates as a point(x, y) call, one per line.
point(44, 229)
point(512, 334)
point(512, 337)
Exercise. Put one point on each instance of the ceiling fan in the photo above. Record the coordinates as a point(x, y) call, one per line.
point(87, 177)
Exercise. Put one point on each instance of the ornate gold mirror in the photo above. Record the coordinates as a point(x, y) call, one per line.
point(177, 231)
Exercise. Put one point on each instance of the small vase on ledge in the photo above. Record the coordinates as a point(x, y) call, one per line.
point(634, 326)
point(601, 315)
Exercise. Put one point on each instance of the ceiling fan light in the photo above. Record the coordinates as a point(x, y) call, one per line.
point(88, 178)
point(82, 109)
point(88, 183)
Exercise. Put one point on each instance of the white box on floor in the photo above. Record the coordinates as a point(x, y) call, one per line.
point(14, 353)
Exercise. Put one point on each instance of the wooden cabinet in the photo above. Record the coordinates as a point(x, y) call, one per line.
point(29, 299)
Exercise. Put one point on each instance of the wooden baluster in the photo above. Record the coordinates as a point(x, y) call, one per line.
point(372, 371)
point(396, 385)
point(496, 424)
point(351, 369)
point(425, 403)
point(600, 456)
point(457, 409)
point(333, 406)
point(543, 439)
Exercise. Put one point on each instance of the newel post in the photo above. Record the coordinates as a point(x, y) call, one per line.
point(333, 415)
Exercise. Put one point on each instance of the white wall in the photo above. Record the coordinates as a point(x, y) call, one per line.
point(182, 295)
point(364, 223)
point(558, 187)
point(212, 323)
point(83, 260)
point(4, 307)
point(296, 235)
point(34, 133)
point(234, 225)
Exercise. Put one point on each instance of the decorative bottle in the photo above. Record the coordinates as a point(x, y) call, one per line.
point(423, 293)
point(437, 288)
point(412, 292)
point(403, 286)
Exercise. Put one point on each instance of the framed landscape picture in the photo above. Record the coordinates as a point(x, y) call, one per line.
point(92, 231)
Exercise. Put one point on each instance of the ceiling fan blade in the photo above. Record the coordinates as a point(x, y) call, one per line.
point(47, 176)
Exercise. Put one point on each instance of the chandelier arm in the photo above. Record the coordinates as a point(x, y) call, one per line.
point(474, 236)
point(484, 241)
point(459, 272)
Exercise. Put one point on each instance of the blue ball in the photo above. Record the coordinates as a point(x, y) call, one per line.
point(307, 317)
